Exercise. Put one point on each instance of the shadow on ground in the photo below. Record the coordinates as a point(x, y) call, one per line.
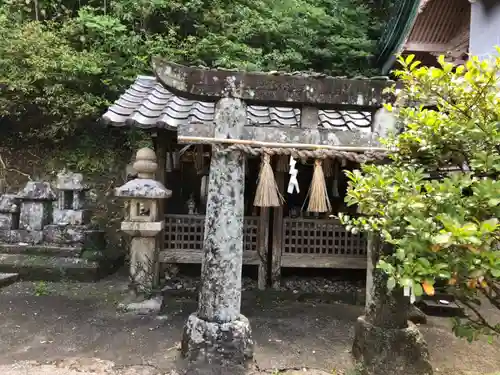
point(81, 320)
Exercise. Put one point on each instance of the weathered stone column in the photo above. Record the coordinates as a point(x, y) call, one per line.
point(385, 342)
point(36, 205)
point(217, 332)
point(144, 222)
point(9, 212)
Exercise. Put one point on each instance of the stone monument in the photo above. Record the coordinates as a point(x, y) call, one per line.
point(71, 218)
point(47, 234)
point(143, 222)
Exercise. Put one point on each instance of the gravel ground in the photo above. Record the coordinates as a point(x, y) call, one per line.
point(290, 284)
point(50, 321)
point(95, 366)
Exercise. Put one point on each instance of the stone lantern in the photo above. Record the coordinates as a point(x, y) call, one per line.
point(143, 222)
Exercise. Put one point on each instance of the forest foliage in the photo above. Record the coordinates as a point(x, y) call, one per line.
point(62, 62)
point(438, 202)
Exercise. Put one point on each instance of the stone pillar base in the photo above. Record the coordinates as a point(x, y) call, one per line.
point(217, 343)
point(382, 351)
point(417, 316)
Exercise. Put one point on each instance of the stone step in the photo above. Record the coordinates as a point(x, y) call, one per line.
point(8, 278)
point(56, 251)
point(52, 268)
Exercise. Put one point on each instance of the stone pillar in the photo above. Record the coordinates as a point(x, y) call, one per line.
point(217, 332)
point(369, 271)
point(36, 206)
point(9, 212)
point(385, 342)
point(143, 221)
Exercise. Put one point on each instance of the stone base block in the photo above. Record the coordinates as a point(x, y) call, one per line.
point(8, 278)
point(53, 268)
point(8, 221)
point(74, 235)
point(17, 236)
point(416, 315)
point(71, 217)
point(217, 343)
point(67, 234)
point(381, 351)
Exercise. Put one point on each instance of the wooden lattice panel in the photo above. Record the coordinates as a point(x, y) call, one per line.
point(321, 237)
point(185, 232)
point(250, 233)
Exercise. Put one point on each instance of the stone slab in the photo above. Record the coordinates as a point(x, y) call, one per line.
point(37, 191)
point(142, 228)
point(74, 235)
point(56, 251)
point(58, 234)
point(52, 268)
point(276, 89)
point(7, 279)
point(17, 236)
point(70, 181)
point(71, 217)
point(210, 342)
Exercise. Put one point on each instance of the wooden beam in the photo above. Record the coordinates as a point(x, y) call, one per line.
point(277, 242)
point(269, 136)
point(322, 261)
point(262, 245)
point(426, 47)
point(160, 143)
point(183, 256)
point(271, 89)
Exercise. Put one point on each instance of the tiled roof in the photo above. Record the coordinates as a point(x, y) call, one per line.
point(147, 104)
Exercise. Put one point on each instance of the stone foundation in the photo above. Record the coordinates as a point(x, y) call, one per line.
point(47, 235)
point(385, 351)
point(211, 342)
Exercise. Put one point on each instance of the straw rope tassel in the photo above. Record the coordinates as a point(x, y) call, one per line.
point(318, 195)
point(267, 194)
point(335, 185)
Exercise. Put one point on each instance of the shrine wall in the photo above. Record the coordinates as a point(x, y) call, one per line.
point(484, 28)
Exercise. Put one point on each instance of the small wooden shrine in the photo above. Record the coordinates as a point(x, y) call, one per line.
point(296, 134)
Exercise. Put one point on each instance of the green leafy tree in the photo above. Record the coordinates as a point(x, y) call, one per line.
point(438, 201)
point(63, 62)
point(60, 58)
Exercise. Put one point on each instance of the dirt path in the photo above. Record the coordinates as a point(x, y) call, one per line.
point(81, 321)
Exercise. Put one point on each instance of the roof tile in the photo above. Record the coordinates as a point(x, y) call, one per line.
point(147, 104)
